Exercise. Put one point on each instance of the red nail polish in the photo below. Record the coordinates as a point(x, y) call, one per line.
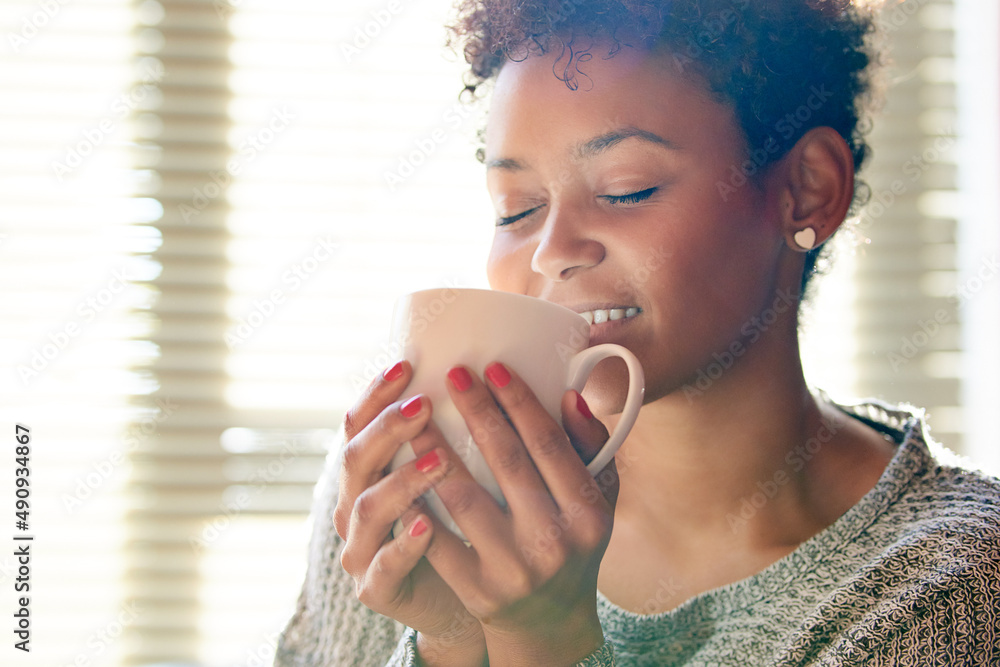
point(582, 407)
point(460, 378)
point(418, 528)
point(393, 373)
point(411, 407)
point(428, 461)
point(498, 375)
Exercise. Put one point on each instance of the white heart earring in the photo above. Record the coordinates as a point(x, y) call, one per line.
point(805, 238)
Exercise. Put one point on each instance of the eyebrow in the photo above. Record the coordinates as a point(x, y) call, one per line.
point(507, 164)
point(593, 147)
point(598, 145)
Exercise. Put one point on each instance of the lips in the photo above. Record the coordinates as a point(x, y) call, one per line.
point(600, 316)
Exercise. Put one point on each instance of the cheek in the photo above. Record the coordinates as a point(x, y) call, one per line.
point(730, 234)
point(720, 258)
point(503, 266)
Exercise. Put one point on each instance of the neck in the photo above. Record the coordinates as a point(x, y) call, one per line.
point(749, 462)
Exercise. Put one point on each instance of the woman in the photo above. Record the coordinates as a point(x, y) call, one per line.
point(747, 521)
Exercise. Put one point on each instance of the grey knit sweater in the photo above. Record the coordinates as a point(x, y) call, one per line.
point(908, 576)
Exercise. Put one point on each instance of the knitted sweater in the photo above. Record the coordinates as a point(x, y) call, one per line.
point(908, 576)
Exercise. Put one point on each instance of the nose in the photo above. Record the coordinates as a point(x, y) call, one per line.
point(565, 247)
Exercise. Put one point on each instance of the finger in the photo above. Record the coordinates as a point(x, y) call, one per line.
point(374, 447)
point(471, 506)
point(545, 440)
point(586, 433)
point(588, 436)
point(368, 454)
point(607, 482)
point(500, 445)
point(379, 506)
point(456, 564)
point(384, 388)
point(382, 582)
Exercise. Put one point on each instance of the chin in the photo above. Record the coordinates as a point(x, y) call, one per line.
point(607, 388)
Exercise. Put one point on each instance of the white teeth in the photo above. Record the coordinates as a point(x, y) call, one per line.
point(602, 316)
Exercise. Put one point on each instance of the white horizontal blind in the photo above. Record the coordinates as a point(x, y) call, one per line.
point(313, 163)
point(978, 75)
point(74, 241)
point(886, 318)
point(910, 333)
point(291, 169)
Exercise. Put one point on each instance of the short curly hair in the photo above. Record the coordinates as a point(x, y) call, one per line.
point(785, 66)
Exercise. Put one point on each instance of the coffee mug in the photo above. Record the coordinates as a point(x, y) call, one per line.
point(544, 343)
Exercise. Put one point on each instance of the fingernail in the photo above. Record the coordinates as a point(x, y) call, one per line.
point(393, 373)
point(582, 407)
point(418, 528)
point(428, 461)
point(460, 378)
point(498, 375)
point(411, 407)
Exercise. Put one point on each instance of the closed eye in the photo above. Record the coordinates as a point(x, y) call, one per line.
point(631, 198)
point(514, 218)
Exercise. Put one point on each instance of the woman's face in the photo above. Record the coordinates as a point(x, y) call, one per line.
point(619, 198)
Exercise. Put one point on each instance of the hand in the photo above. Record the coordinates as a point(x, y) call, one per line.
point(390, 577)
point(530, 576)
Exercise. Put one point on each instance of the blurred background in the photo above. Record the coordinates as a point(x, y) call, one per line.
point(207, 208)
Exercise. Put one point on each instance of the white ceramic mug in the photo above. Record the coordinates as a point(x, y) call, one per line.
point(544, 343)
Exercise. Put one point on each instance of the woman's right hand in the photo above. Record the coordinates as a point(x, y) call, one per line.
point(390, 576)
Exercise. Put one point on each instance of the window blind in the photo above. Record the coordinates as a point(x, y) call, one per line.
point(291, 168)
point(891, 308)
point(977, 59)
point(313, 163)
point(75, 238)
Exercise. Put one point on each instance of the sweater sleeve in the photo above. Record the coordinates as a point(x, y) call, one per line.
point(329, 627)
point(602, 657)
point(406, 654)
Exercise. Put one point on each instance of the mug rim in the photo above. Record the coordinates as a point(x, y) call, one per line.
point(500, 294)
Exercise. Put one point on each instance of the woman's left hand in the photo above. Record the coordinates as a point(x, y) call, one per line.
point(530, 576)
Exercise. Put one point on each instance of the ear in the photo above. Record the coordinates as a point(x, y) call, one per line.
point(817, 188)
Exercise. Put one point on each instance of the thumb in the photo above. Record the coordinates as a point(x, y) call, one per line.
point(588, 435)
point(586, 432)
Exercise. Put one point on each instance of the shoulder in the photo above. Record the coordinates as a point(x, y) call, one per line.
point(926, 583)
point(961, 495)
point(951, 535)
point(927, 488)
point(950, 508)
point(934, 511)
point(944, 534)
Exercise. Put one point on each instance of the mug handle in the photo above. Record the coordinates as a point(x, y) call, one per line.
point(580, 367)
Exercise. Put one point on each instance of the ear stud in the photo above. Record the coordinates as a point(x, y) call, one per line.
point(805, 238)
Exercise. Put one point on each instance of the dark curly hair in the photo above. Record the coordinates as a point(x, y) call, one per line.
point(785, 66)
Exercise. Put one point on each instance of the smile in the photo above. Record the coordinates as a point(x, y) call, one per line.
point(602, 316)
